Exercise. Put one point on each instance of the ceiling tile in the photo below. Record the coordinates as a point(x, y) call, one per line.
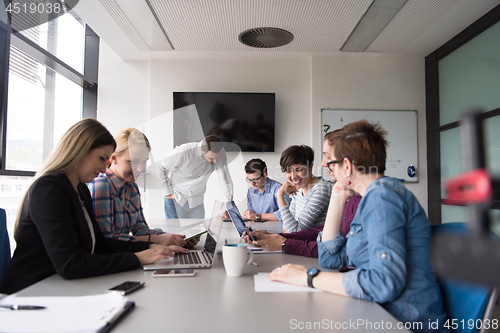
point(214, 25)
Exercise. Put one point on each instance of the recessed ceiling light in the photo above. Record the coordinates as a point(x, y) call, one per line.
point(376, 18)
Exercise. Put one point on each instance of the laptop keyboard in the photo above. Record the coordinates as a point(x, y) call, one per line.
point(187, 258)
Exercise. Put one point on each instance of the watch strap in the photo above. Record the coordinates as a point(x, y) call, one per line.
point(310, 277)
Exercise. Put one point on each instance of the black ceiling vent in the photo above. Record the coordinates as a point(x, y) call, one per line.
point(265, 37)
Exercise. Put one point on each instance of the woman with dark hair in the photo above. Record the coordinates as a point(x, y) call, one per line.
point(304, 242)
point(56, 231)
point(310, 193)
point(388, 244)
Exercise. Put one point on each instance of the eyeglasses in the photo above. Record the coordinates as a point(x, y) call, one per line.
point(253, 180)
point(331, 165)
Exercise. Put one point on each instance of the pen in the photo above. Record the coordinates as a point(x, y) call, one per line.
point(21, 307)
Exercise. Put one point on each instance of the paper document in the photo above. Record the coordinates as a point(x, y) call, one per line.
point(61, 314)
point(263, 284)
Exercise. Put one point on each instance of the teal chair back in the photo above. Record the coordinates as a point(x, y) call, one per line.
point(464, 302)
point(4, 244)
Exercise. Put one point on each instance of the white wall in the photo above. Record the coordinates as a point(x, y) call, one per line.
point(140, 94)
point(290, 79)
point(124, 90)
point(373, 81)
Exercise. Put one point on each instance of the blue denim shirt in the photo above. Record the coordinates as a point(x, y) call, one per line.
point(389, 245)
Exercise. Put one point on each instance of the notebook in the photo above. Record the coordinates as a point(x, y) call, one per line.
point(196, 258)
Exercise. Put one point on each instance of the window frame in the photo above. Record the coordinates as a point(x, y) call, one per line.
point(432, 110)
point(87, 80)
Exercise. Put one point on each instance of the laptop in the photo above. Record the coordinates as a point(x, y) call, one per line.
point(239, 224)
point(234, 214)
point(196, 258)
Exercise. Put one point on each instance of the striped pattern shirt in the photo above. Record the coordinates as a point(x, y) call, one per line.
point(118, 208)
point(307, 211)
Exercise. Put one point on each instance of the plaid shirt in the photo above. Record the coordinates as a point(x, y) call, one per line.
point(118, 209)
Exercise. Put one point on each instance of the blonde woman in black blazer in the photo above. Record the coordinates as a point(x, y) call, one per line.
point(56, 231)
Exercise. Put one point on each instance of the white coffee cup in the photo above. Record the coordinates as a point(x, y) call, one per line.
point(235, 258)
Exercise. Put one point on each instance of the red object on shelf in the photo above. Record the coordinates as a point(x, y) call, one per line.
point(469, 188)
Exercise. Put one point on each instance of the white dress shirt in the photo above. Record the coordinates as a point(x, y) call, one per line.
point(185, 172)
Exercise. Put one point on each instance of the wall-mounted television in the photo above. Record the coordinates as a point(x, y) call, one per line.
point(244, 119)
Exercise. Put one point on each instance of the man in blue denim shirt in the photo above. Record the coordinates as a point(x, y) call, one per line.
point(389, 242)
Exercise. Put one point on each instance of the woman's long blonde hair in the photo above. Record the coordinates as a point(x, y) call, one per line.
point(126, 138)
point(76, 143)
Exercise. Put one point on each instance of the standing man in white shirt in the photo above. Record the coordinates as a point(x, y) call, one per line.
point(184, 174)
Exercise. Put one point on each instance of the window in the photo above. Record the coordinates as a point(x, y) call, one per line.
point(39, 111)
point(48, 84)
point(462, 76)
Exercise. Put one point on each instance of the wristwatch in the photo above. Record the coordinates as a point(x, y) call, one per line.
point(283, 246)
point(311, 274)
point(258, 216)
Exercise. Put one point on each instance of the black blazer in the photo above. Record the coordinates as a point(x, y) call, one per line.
point(53, 237)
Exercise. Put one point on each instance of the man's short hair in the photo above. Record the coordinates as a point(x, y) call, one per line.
point(256, 165)
point(211, 143)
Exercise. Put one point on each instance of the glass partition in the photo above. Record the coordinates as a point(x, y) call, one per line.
point(469, 77)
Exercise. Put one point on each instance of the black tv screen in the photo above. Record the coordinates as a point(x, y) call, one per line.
point(244, 119)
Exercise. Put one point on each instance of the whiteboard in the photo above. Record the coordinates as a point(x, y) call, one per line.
point(402, 136)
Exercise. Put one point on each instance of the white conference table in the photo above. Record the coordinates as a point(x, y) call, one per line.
point(212, 302)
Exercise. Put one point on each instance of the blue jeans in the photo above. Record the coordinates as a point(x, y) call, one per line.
point(175, 211)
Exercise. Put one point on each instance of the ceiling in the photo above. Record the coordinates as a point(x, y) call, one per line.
point(210, 28)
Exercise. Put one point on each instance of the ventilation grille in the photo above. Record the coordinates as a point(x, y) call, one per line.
point(265, 37)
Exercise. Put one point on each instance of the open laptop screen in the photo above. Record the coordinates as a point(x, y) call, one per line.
point(236, 217)
point(210, 244)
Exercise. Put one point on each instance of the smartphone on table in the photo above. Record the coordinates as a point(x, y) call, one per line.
point(126, 287)
point(173, 272)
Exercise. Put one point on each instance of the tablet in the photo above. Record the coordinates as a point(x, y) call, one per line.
point(194, 232)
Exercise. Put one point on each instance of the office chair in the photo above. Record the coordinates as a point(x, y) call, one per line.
point(4, 245)
point(463, 300)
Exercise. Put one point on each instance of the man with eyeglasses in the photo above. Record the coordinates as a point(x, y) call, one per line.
point(262, 203)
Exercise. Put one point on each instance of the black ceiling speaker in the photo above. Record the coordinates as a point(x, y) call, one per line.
point(265, 37)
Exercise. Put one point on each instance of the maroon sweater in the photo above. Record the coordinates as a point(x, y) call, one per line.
point(303, 243)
